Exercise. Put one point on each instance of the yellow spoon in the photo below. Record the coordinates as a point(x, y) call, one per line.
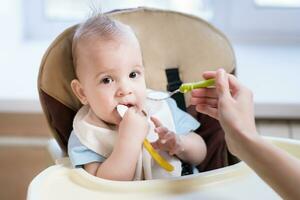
point(185, 87)
point(159, 160)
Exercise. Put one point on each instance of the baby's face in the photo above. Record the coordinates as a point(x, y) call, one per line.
point(112, 73)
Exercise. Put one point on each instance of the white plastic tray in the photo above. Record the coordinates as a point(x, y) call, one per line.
point(234, 182)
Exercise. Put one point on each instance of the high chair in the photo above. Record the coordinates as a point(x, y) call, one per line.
point(176, 48)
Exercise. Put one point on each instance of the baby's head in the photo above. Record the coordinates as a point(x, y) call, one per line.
point(109, 67)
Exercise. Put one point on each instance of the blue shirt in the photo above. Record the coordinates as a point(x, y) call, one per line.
point(81, 155)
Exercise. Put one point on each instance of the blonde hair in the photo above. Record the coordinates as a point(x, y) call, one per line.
point(97, 26)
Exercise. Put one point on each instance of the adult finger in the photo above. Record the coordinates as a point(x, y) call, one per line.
point(213, 112)
point(209, 74)
point(234, 84)
point(213, 102)
point(222, 84)
point(204, 92)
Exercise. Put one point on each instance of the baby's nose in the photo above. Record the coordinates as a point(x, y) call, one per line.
point(124, 89)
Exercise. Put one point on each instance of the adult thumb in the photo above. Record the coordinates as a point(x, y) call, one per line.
point(222, 83)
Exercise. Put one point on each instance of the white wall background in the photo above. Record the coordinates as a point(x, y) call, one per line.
point(19, 61)
point(270, 68)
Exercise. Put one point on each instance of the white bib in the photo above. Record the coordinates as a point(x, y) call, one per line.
point(102, 139)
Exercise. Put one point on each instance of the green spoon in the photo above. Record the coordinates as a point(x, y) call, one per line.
point(185, 87)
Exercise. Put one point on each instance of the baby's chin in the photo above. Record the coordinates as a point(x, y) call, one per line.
point(118, 121)
point(115, 120)
point(113, 124)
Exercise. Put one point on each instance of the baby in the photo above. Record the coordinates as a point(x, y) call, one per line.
point(109, 68)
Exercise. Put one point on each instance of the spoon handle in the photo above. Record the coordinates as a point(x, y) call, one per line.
point(187, 87)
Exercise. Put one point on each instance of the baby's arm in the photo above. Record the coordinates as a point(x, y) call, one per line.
point(190, 148)
point(194, 148)
point(121, 164)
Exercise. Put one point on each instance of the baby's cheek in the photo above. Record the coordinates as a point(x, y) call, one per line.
point(142, 97)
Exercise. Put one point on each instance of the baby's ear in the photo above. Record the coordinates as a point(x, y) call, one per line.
point(78, 91)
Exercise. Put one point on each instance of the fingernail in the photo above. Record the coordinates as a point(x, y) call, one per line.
point(221, 73)
point(163, 141)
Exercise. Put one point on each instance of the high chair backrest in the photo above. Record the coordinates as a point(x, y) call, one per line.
point(168, 40)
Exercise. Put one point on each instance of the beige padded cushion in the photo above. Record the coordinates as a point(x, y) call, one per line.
point(168, 39)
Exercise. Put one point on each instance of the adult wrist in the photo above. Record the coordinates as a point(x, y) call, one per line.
point(246, 143)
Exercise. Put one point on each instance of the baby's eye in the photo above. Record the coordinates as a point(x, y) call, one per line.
point(133, 74)
point(106, 80)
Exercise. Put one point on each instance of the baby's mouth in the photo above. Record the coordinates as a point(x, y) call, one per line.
point(127, 104)
point(122, 108)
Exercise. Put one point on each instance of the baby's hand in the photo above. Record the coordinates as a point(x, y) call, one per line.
point(134, 125)
point(167, 140)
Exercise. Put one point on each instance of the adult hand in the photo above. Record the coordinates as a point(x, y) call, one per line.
point(232, 104)
point(229, 102)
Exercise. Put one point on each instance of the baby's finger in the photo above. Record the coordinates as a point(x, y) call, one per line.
point(161, 131)
point(132, 109)
point(168, 139)
point(142, 113)
point(169, 136)
point(172, 152)
point(141, 110)
point(175, 150)
point(155, 144)
point(158, 145)
point(156, 122)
